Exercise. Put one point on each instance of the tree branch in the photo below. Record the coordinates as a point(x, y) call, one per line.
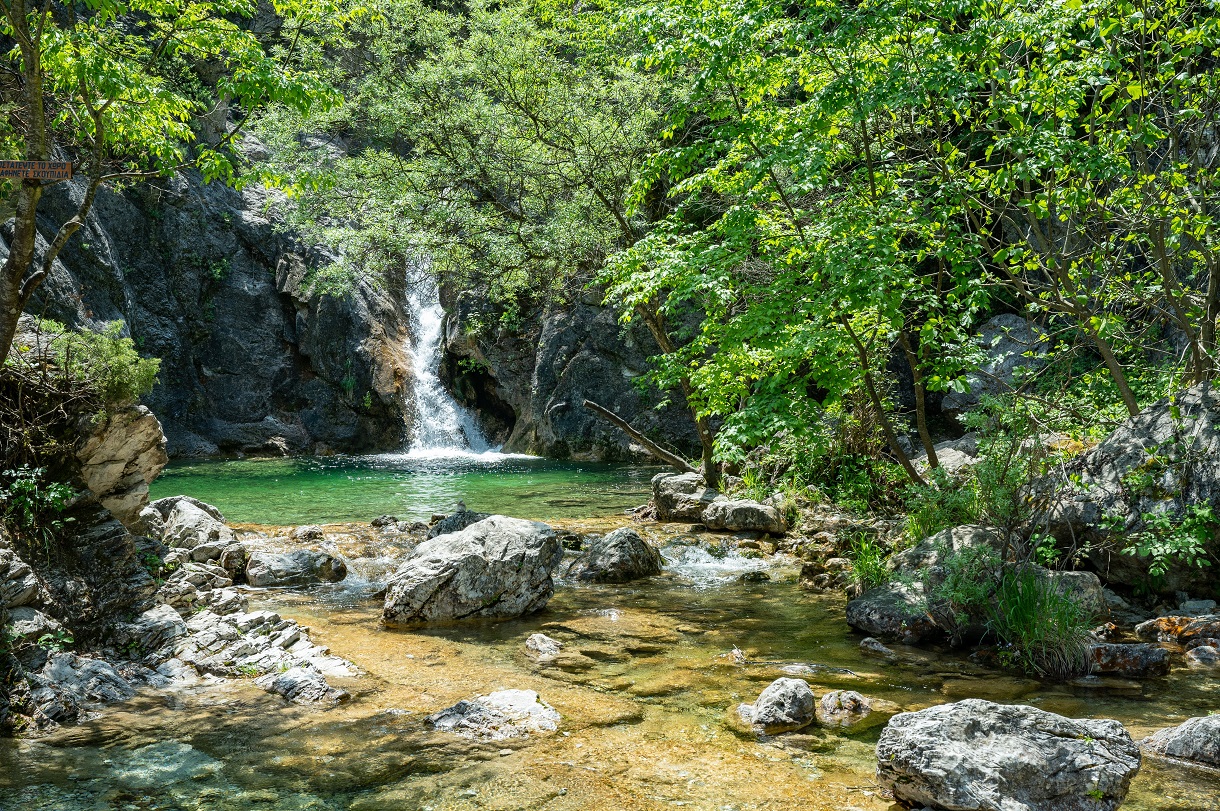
point(656, 450)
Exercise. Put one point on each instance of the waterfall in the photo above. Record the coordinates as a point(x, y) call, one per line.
point(442, 426)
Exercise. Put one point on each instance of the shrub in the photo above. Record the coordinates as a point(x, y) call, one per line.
point(105, 361)
point(32, 508)
point(1044, 626)
point(868, 559)
point(945, 502)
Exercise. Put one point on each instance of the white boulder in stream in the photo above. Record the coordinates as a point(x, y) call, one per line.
point(503, 714)
point(975, 755)
point(497, 568)
point(1196, 741)
point(785, 705)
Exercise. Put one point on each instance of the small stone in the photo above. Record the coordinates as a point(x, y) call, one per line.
point(1204, 656)
point(785, 705)
point(875, 648)
point(542, 647)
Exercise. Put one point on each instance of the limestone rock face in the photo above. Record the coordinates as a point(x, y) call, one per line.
point(1160, 462)
point(528, 384)
point(1009, 342)
point(1196, 741)
point(618, 557)
point(18, 586)
point(785, 705)
point(500, 715)
point(497, 568)
point(736, 515)
point(120, 457)
point(301, 567)
point(252, 360)
point(974, 755)
point(680, 496)
point(301, 686)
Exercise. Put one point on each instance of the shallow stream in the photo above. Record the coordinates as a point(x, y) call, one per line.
point(644, 688)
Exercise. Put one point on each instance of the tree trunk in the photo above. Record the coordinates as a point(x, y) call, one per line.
point(1116, 372)
point(656, 450)
point(921, 396)
point(20, 257)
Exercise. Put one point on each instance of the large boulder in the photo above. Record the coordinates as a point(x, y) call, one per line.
point(301, 567)
point(978, 756)
point(785, 705)
point(1163, 463)
point(736, 515)
point(189, 526)
point(119, 457)
point(1009, 343)
point(618, 557)
point(681, 496)
point(894, 611)
point(1196, 741)
point(497, 568)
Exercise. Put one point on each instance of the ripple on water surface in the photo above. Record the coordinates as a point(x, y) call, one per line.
point(412, 486)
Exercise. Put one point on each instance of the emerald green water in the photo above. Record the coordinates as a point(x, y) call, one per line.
point(316, 490)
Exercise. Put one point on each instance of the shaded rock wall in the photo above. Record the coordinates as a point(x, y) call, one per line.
point(527, 385)
point(251, 361)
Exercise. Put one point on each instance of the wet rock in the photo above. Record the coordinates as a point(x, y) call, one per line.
point(743, 514)
point(1092, 501)
point(875, 648)
point(28, 624)
point(119, 457)
point(301, 567)
point(1139, 660)
point(1179, 629)
point(894, 611)
point(1196, 741)
point(1009, 343)
point(18, 585)
point(456, 522)
point(301, 686)
point(499, 567)
point(680, 496)
point(498, 716)
point(785, 705)
point(974, 755)
point(189, 526)
point(542, 648)
point(1203, 656)
point(383, 521)
point(617, 557)
point(309, 533)
point(847, 708)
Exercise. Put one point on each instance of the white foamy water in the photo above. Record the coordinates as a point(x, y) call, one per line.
point(443, 428)
point(704, 569)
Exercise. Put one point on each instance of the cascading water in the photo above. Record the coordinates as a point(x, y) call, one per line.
point(442, 426)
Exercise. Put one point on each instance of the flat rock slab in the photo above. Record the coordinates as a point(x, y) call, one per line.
point(974, 755)
point(500, 715)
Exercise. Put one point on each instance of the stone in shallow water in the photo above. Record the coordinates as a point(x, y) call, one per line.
point(847, 708)
point(617, 557)
point(784, 706)
point(302, 567)
point(301, 686)
point(1196, 741)
point(978, 756)
point(1138, 660)
point(162, 764)
point(502, 714)
point(542, 647)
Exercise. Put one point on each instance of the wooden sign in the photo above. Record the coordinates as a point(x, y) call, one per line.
point(36, 170)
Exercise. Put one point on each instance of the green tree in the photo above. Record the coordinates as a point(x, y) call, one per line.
point(115, 86)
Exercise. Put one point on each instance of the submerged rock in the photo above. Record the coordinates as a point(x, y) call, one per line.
point(542, 647)
point(786, 705)
point(500, 715)
point(499, 567)
point(1196, 741)
point(1204, 656)
point(1139, 660)
point(847, 708)
point(618, 557)
point(895, 611)
point(302, 567)
point(978, 756)
point(301, 686)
